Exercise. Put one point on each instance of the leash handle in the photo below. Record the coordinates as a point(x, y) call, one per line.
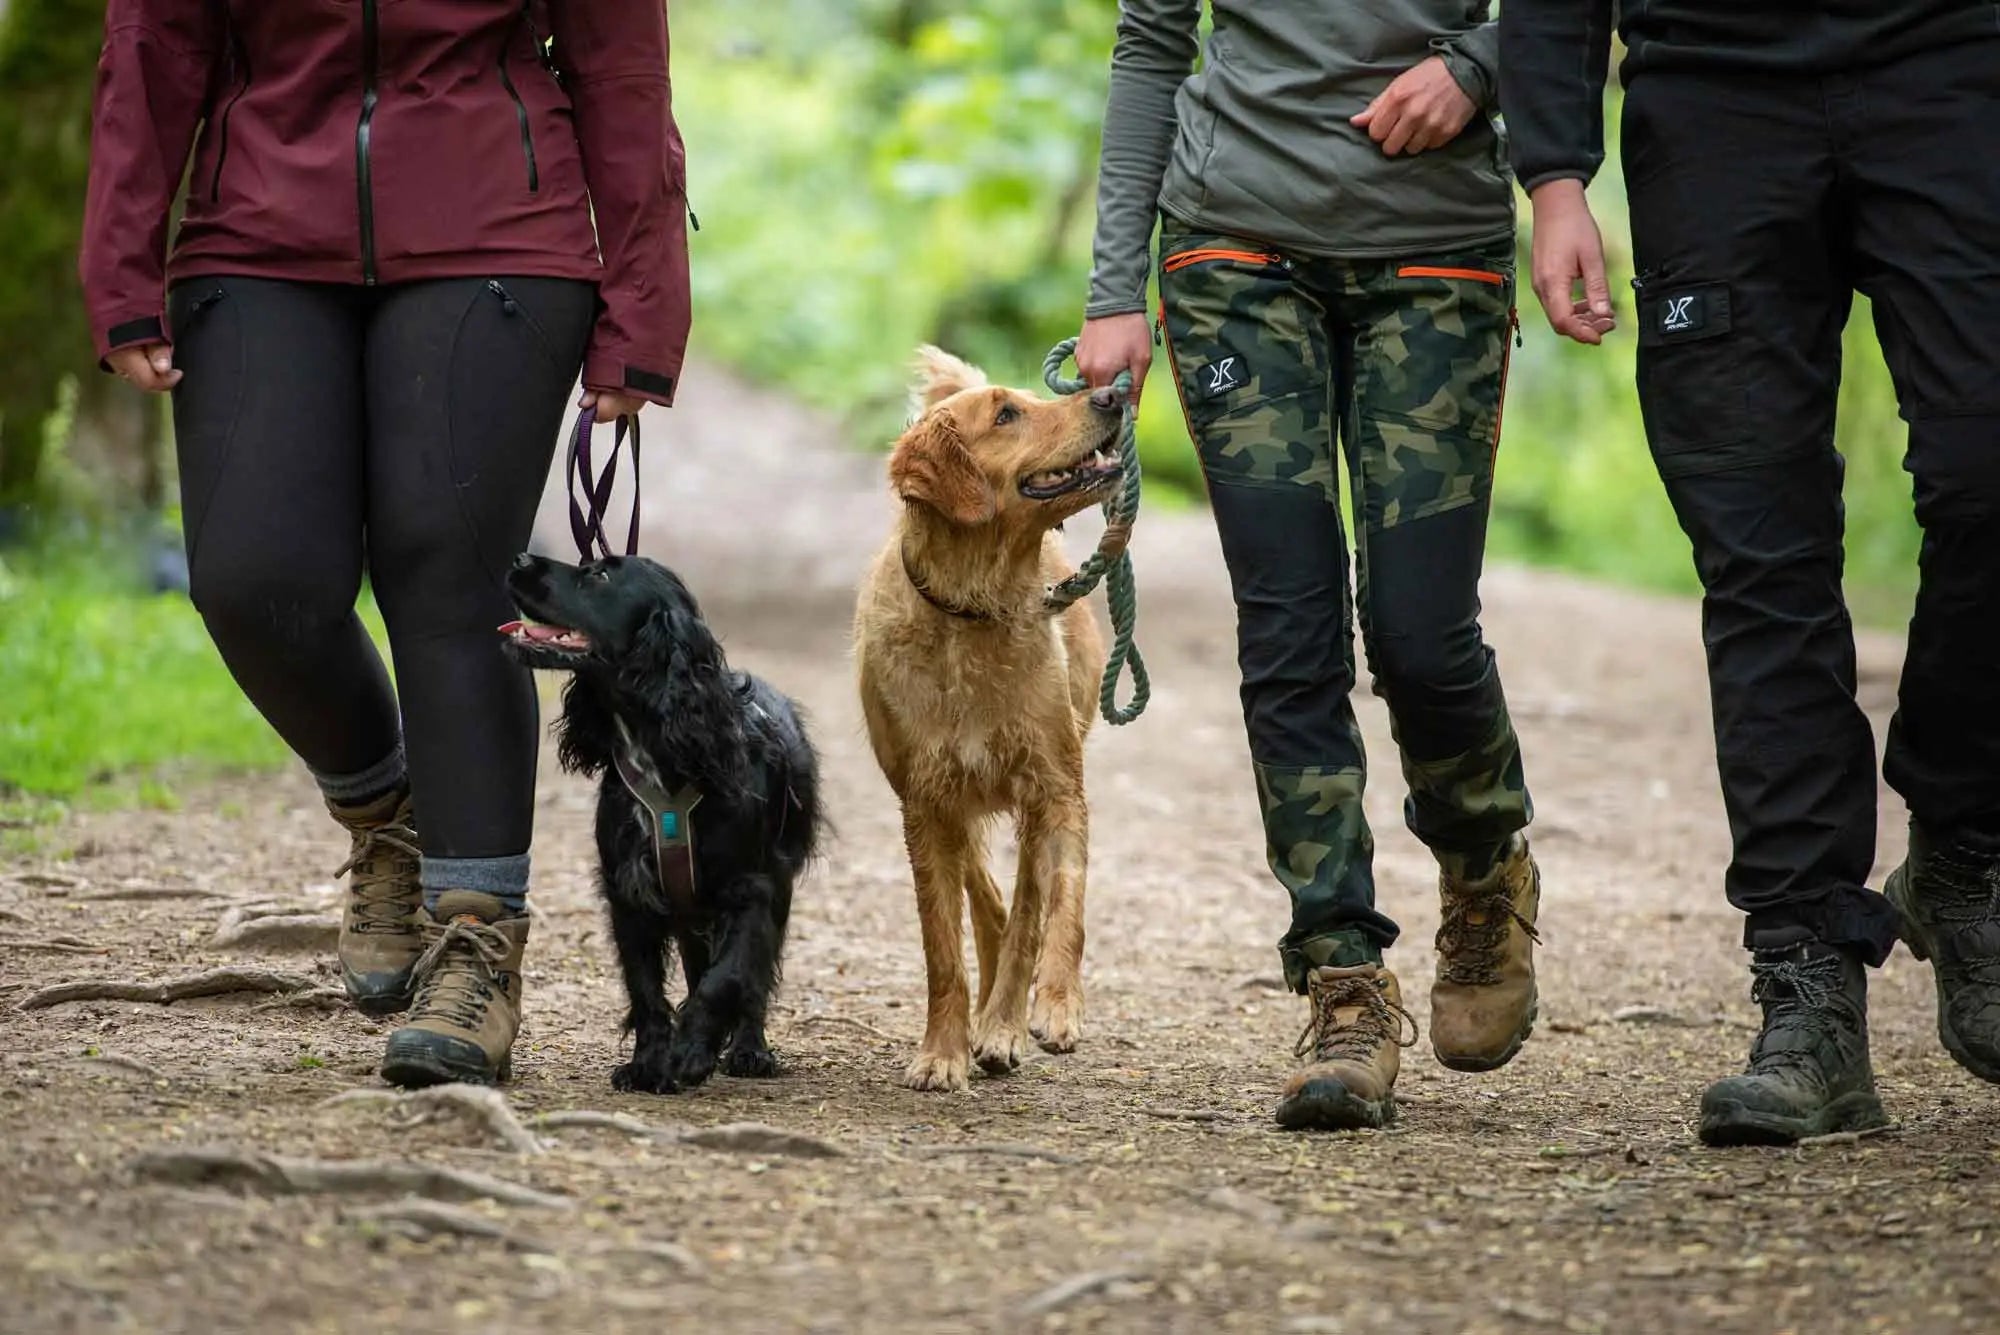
point(587, 513)
point(1111, 564)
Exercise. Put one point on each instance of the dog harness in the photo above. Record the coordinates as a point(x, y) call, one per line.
point(669, 819)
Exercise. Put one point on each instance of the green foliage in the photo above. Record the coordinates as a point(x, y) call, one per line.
point(48, 50)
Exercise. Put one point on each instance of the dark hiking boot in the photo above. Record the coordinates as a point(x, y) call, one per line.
point(1949, 898)
point(1352, 1047)
point(468, 996)
point(381, 932)
point(1809, 1072)
point(1483, 1003)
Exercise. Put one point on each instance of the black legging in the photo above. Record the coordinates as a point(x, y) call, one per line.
point(408, 430)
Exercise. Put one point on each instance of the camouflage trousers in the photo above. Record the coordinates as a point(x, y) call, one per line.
point(1286, 364)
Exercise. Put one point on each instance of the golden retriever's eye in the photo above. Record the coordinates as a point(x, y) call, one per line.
point(1008, 413)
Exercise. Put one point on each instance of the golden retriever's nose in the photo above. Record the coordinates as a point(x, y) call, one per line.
point(1106, 399)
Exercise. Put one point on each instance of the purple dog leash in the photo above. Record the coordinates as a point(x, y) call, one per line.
point(586, 515)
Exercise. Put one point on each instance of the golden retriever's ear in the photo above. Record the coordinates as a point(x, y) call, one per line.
point(930, 465)
point(939, 375)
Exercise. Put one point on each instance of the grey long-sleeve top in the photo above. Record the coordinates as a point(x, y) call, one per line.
point(1257, 143)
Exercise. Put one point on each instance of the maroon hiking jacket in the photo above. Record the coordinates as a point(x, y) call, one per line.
point(380, 141)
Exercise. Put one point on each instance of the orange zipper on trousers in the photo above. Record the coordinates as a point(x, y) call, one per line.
point(1202, 256)
point(1470, 275)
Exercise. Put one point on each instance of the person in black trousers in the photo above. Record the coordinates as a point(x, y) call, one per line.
point(1777, 160)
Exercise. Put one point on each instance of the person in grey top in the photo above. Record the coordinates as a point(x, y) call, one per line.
point(1336, 242)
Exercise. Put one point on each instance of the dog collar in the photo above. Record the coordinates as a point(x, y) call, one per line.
point(959, 610)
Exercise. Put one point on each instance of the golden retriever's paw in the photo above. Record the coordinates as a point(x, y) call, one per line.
point(1058, 1020)
point(948, 1072)
point(998, 1046)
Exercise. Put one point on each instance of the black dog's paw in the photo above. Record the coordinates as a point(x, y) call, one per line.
point(645, 1074)
point(750, 1063)
point(690, 1064)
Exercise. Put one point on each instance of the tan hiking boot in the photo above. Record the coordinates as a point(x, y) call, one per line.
point(468, 996)
point(1483, 1003)
point(1352, 1047)
point(381, 932)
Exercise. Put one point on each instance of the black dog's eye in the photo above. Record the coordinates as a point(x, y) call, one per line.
point(1008, 412)
point(600, 573)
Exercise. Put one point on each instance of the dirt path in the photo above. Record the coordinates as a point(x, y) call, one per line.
point(1138, 1185)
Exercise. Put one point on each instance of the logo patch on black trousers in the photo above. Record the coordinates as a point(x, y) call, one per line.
point(1684, 314)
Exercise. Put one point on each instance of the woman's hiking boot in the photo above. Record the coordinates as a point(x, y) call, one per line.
point(468, 996)
point(1352, 1048)
point(1483, 1003)
point(1949, 899)
point(1808, 1072)
point(381, 932)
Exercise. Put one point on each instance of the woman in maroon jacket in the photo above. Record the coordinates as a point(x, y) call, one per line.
point(409, 224)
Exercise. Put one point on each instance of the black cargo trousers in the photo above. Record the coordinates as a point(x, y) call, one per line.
point(1759, 205)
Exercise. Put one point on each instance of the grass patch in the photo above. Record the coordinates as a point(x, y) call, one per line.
point(114, 697)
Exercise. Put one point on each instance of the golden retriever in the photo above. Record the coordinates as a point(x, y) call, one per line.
point(978, 700)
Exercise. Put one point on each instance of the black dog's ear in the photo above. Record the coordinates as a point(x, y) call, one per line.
point(678, 669)
point(586, 735)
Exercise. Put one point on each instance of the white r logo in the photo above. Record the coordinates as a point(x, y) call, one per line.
point(1677, 313)
point(1222, 375)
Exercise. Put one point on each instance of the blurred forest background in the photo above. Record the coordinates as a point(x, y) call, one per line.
point(868, 174)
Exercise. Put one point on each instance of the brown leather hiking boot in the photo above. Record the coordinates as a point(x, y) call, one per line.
point(380, 926)
point(1483, 1003)
point(468, 996)
point(1352, 1047)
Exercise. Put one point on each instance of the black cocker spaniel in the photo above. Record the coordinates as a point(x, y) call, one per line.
point(707, 812)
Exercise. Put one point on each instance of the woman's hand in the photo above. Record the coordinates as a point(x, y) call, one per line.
point(150, 366)
point(1114, 343)
point(609, 407)
point(1423, 108)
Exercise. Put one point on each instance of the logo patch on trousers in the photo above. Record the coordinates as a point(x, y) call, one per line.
point(1682, 314)
point(1220, 376)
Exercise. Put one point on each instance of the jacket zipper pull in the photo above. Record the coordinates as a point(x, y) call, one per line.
point(507, 302)
point(694, 219)
point(1514, 319)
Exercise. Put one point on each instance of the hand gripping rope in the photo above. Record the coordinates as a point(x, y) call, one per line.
point(1111, 563)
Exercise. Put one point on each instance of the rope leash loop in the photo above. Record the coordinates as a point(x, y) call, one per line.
point(1111, 563)
point(587, 514)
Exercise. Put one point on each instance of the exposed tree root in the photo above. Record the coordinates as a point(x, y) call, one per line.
point(211, 983)
point(252, 928)
point(425, 1219)
point(280, 1175)
point(756, 1138)
point(486, 1106)
point(602, 1121)
point(111, 1061)
point(1183, 1114)
point(997, 1149)
point(1075, 1289)
point(55, 945)
point(1847, 1137)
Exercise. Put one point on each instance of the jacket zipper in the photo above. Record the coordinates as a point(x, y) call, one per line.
point(242, 58)
point(520, 107)
point(1507, 347)
point(1470, 275)
point(364, 183)
point(1207, 254)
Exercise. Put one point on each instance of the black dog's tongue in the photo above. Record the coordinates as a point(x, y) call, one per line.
point(537, 633)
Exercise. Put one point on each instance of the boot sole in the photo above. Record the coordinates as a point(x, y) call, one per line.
point(1328, 1105)
point(420, 1068)
point(1732, 1125)
point(1472, 1065)
point(1918, 938)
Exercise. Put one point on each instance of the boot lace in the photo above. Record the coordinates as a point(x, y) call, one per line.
point(1964, 890)
point(457, 974)
point(383, 891)
point(1327, 1038)
point(1795, 994)
point(1470, 953)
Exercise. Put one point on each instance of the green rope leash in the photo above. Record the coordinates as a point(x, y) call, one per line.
point(1110, 564)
